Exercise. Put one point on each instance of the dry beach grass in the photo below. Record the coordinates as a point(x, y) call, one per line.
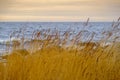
point(52, 59)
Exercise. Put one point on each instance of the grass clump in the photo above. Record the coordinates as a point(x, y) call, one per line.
point(50, 57)
point(53, 64)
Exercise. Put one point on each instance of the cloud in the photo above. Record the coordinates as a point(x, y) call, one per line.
point(101, 9)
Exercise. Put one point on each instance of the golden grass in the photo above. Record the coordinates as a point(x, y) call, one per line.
point(52, 59)
point(61, 64)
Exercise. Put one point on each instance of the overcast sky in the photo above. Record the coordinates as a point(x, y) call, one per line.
point(59, 10)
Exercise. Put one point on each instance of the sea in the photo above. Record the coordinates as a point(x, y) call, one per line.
point(11, 28)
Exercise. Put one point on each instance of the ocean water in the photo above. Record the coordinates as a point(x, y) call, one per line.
point(8, 28)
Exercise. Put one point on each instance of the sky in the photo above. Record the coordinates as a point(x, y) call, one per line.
point(59, 10)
